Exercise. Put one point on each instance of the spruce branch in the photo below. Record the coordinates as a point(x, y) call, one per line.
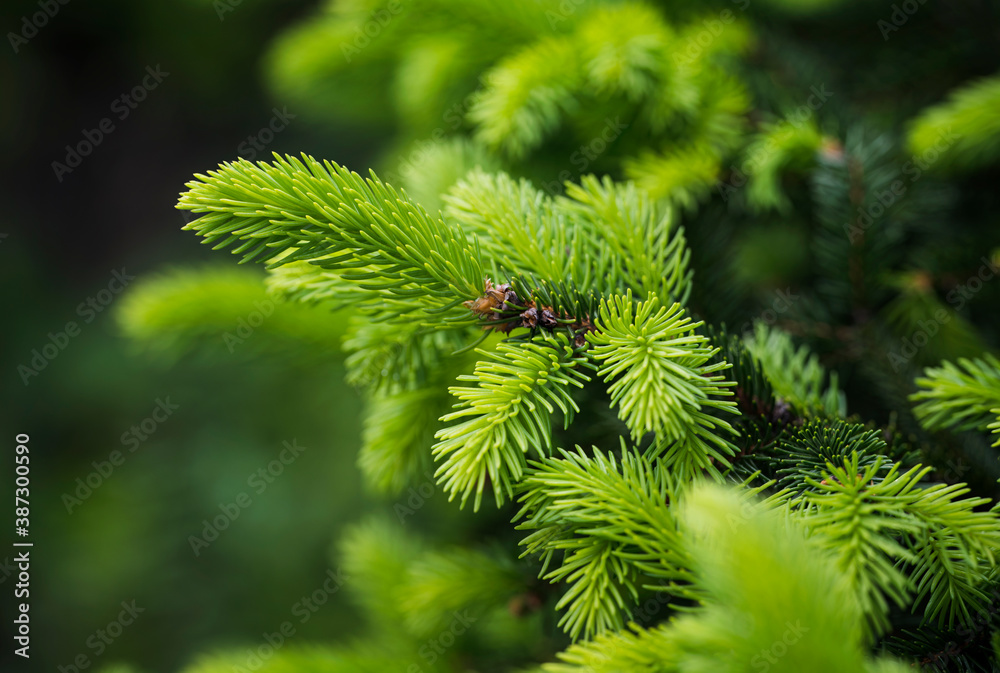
point(754, 395)
point(633, 649)
point(764, 583)
point(682, 175)
point(517, 226)
point(527, 95)
point(931, 648)
point(861, 521)
point(763, 576)
point(440, 582)
point(779, 147)
point(609, 523)
point(601, 238)
point(440, 166)
point(899, 541)
point(375, 556)
point(310, 284)
point(508, 413)
point(303, 210)
point(957, 553)
point(962, 396)
point(624, 50)
point(631, 240)
point(804, 452)
point(398, 427)
point(859, 236)
point(382, 355)
point(201, 309)
point(664, 380)
point(795, 373)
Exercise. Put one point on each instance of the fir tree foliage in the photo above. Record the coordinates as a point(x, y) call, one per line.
point(397, 429)
point(410, 263)
point(772, 601)
point(778, 148)
point(804, 453)
point(310, 284)
point(795, 373)
point(897, 541)
point(601, 236)
point(302, 210)
point(664, 382)
point(961, 133)
point(506, 414)
point(410, 594)
point(521, 77)
point(634, 237)
point(608, 523)
point(961, 396)
point(590, 287)
point(492, 321)
point(859, 233)
point(438, 166)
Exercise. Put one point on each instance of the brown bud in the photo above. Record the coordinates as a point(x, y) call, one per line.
point(547, 319)
point(511, 301)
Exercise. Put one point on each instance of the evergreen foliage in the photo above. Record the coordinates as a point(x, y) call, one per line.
point(795, 373)
point(610, 528)
point(295, 210)
point(664, 382)
point(604, 525)
point(760, 478)
point(961, 396)
point(524, 77)
point(773, 602)
point(508, 411)
point(963, 132)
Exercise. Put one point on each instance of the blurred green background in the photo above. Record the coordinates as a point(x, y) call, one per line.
point(62, 241)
